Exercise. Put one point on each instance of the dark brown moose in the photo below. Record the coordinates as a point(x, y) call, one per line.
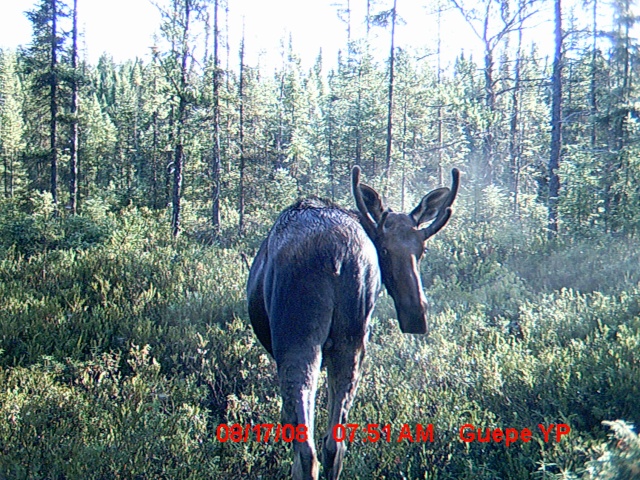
point(311, 291)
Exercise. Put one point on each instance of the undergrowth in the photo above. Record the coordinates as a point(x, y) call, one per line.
point(122, 350)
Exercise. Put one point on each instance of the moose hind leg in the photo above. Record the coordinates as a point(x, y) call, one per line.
point(344, 369)
point(298, 373)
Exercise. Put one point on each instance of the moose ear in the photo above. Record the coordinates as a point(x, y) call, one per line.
point(372, 201)
point(430, 205)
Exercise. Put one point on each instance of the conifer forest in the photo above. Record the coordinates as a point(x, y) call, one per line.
point(134, 196)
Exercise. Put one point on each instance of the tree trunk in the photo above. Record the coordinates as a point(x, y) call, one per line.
point(73, 167)
point(177, 188)
point(279, 140)
point(390, 99)
point(12, 161)
point(622, 132)
point(5, 175)
point(241, 138)
point(178, 159)
point(167, 173)
point(332, 178)
point(556, 124)
point(215, 160)
point(404, 154)
point(349, 26)
point(440, 130)
point(514, 143)
point(592, 96)
point(358, 127)
point(155, 160)
point(53, 105)
point(490, 100)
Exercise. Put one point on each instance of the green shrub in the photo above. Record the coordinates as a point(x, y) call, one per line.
point(36, 229)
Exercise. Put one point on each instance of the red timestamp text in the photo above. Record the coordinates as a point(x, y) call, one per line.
point(370, 432)
point(374, 432)
point(261, 432)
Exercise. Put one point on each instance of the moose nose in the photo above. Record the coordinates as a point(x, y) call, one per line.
point(416, 325)
point(413, 320)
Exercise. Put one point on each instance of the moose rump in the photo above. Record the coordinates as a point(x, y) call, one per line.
point(311, 292)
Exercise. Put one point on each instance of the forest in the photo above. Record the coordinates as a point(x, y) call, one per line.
point(134, 196)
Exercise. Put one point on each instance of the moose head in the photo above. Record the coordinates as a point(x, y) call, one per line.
point(400, 240)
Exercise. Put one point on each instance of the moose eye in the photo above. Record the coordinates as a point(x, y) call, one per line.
point(385, 252)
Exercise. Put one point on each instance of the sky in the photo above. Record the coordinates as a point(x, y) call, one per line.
point(125, 28)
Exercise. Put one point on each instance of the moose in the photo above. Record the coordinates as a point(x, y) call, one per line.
point(311, 291)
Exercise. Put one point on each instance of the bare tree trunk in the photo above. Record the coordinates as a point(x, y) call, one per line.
point(168, 171)
point(228, 119)
point(626, 76)
point(390, 99)
point(332, 177)
point(358, 152)
point(556, 124)
point(490, 100)
point(279, 140)
point(53, 106)
point(404, 154)
point(73, 168)
point(155, 160)
point(594, 58)
point(439, 111)
point(5, 176)
point(215, 161)
point(622, 133)
point(241, 138)
point(177, 186)
point(349, 26)
point(13, 158)
point(514, 146)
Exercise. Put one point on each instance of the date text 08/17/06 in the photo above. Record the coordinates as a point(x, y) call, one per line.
point(375, 432)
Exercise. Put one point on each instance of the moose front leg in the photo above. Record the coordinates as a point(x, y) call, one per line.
point(343, 374)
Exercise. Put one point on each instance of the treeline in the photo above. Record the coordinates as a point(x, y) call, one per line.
point(232, 142)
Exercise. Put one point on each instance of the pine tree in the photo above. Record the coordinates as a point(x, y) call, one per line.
point(384, 19)
point(178, 30)
point(11, 124)
point(42, 61)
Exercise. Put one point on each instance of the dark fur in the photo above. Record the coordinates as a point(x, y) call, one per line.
point(316, 276)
